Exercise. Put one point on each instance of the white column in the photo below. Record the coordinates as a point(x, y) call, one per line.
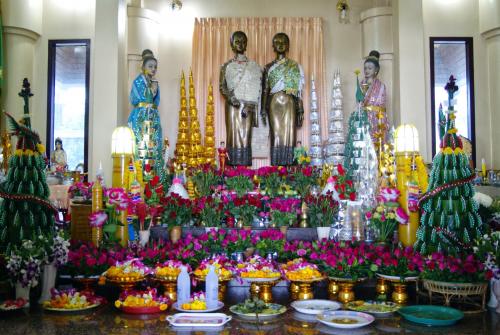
point(143, 29)
point(376, 29)
point(107, 82)
point(409, 71)
point(489, 24)
point(22, 23)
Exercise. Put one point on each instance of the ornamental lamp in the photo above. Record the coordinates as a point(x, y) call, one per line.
point(122, 151)
point(406, 139)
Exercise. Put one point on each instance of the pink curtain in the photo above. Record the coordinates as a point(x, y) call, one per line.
point(211, 49)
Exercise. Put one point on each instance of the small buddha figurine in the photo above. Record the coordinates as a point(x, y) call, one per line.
point(58, 159)
point(166, 154)
point(222, 151)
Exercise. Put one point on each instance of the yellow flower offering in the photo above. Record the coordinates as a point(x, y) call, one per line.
point(300, 270)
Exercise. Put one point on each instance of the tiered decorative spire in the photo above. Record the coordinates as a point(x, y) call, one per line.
point(195, 153)
point(182, 145)
point(315, 151)
point(336, 142)
point(209, 141)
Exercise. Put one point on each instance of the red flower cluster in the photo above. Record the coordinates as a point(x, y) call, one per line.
point(266, 171)
point(344, 186)
point(239, 171)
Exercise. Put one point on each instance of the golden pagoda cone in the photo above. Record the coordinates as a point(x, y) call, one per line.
point(209, 142)
point(195, 153)
point(183, 126)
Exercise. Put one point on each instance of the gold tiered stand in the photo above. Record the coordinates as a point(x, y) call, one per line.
point(222, 285)
point(124, 283)
point(346, 286)
point(169, 284)
point(302, 289)
point(262, 288)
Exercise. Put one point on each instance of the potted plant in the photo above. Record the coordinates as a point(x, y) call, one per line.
point(302, 179)
point(239, 180)
point(322, 211)
point(206, 180)
point(209, 210)
point(244, 208)
point(271, 179)
point(177, 212)
point(237, 241)
point(284, 212)
point(81, 192)
point(270, 243)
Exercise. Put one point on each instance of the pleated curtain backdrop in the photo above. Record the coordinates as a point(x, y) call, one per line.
point(211, 49)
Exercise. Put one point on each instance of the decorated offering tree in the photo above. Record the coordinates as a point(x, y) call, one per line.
point(450, 222)
point(26, 212)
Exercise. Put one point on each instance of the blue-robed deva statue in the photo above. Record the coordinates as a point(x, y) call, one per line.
point(144, 119)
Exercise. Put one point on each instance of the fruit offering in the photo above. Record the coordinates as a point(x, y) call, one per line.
point(9, 305)
point(71, 299)
point(141, 299)
point(300, 270)
point(170, 269)
point(258, 267)
point(133, 269)
point(223, 267)
point(196, 303)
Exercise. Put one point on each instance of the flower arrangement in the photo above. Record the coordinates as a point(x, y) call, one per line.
point(399, 262)
point(303, 178)
point(197, 302)
point(206, 180)
point(343, 186)
point(24, 262)
point(269, 241)
point(344, 260)
point(223, 267)
point(133, 268)
point(210, 210)
point(244, 208)
point(488, 250)
point(271, 179)
point(386, 216)
point(455, 269)
point(98, 219)
point(59, 249)
point(239, 180)
point(284, 211)
point(81, 190)
point(71, 299)
point(170, 269)
point(146, 298)
point(239, 240)
point(85, 259)
point(257, 267)
point(296, 249)
point(153, 188)
point(322, 210)
point(177, 211)
point(300, 270)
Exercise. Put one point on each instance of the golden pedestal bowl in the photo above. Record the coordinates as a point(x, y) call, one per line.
point(262, 288)
point(346, 288)
point(302, 289)
point(125, 282)
point(399, 286)
point(169, 284)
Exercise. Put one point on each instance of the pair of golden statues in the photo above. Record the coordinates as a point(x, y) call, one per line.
point(277, 90)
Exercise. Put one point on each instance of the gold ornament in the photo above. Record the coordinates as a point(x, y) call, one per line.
point(181, 147)
point(209, 142)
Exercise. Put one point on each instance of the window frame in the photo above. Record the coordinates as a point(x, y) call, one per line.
point(469, 64)
point(52, 45)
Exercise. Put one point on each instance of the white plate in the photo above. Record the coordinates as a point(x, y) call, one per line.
point(362, 319)
point(208, 310)
point(315, 306)
point(397, 278)
point(204, 320)
point(252, 316)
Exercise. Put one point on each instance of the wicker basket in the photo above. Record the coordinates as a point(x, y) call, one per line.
point(80, 229)
point(463, 292)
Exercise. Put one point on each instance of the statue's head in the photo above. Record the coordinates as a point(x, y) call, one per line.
point(372, 65)
point(59, 144)
point(146, 53)
point(238, 42)
point(281, 43)
point(149, 65)
point(222, 144)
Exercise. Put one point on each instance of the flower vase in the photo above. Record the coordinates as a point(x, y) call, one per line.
point(96, 235)
point(496, 290)
point(493, 302)
point(49, 275)
point(144, 237)
point(175, 234)
point(323, 232)
point(23, 292)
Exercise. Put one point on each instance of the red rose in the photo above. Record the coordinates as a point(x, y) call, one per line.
point(159, 190)
point(341, 170)
point(147, 192)
point(155, 181)
point(147, 168)
point(352, 196)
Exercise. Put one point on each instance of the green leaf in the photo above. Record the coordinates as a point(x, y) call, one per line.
point(110, 228)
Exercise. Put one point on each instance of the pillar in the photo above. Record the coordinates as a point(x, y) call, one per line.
point(22, 29)
point(376, 30)
point(107, 87)
point(489, 25)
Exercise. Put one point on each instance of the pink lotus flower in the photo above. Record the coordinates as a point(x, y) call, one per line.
point(97, 219)
point(401, 216)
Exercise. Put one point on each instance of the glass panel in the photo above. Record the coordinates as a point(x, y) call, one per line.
point(69, 101)
point(450, 58)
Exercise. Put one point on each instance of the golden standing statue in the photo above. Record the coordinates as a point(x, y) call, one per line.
point(282, 101)
point(240, 83)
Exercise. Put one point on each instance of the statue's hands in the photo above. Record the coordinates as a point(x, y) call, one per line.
point(234, 101)
point(246, 110)
point(300, 119)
